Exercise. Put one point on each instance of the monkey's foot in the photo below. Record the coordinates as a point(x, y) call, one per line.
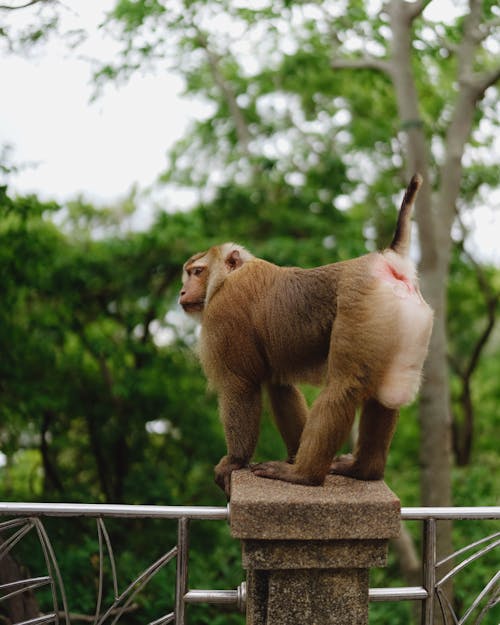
point(283, 471)
point(349, 466)
point(223, 470)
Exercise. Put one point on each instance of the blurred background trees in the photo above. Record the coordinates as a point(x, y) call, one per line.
point(316, 115)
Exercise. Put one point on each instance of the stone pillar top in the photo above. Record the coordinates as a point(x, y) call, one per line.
point(341, 509)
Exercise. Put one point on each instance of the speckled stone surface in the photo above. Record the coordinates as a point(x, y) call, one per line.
point(342, 508)
point(307, 550)
point(313, 554)
point(318, 597)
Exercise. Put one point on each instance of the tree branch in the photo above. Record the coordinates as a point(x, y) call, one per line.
point(242, 131)
point(51, 474)
point(6, 7)
point(415, 9)
point(491, 300)
point(471, 89)
point(463, 431)
point(470, 40)
point(410, 10)
point(489, 27)
point(485, 80)
point(367, 62)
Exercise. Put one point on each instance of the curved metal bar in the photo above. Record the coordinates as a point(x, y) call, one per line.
point(51, 561)
point(8, 544)
point(11, 523)
point(22, 585)
point(492, 602)
point(164, 620)
point(468, 548)
point(465, 562)
point(491, 584)
point(444, 601)
point(137, 585)
point(109, 547)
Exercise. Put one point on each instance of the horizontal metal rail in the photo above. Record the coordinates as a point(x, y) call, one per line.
point(450, 513)
point(214, 512)
point(113, 510)
point(409, 593)
point(219, 597)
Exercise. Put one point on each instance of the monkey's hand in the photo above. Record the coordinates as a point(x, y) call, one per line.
point(223, 470)
point(283, 471)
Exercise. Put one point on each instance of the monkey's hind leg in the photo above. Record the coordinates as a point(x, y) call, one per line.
point(326, 428)
point(376, 429)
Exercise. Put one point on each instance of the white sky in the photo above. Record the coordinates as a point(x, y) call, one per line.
point(101, 149)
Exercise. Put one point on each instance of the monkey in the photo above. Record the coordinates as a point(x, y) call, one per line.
point(359, 329)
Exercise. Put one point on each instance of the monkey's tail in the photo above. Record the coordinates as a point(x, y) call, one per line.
point(401, 240)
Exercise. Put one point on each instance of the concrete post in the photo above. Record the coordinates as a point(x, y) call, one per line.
point(308, 550)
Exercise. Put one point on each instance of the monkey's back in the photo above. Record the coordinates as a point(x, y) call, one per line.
point(295, 323)
point(279, 318)
point(289, 312)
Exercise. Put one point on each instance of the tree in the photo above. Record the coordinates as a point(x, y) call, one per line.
point(382, 89)
point(435, 216)
point(83, 372)
point(100, 398)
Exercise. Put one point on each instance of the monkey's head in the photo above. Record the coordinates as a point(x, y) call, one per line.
point(204, 273)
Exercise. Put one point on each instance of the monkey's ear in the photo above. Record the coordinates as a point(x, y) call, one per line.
point(233, 260)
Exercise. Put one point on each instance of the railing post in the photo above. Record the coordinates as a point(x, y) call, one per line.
point(308, 550)
point(429, 570)
point(181, 585)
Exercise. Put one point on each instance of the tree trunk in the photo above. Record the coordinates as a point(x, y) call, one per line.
point(23, 606)
point(435, 216)
point(435, 246)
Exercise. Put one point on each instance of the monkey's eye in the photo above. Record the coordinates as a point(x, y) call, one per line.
point(197, 271)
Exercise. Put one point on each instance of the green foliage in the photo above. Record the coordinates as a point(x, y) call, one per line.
point(101, 397)
point(80, 321)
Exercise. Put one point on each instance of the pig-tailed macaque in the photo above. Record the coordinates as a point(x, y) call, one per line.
point(358, 328)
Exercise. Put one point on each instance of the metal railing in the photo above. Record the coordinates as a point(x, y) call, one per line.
point(27, 517)
point(24, 518)
point(432, 589)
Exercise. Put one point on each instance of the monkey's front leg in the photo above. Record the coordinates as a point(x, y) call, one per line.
point(222, 471)
point(240, 408)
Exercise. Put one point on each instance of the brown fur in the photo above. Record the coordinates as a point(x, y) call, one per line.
point(358, 328)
